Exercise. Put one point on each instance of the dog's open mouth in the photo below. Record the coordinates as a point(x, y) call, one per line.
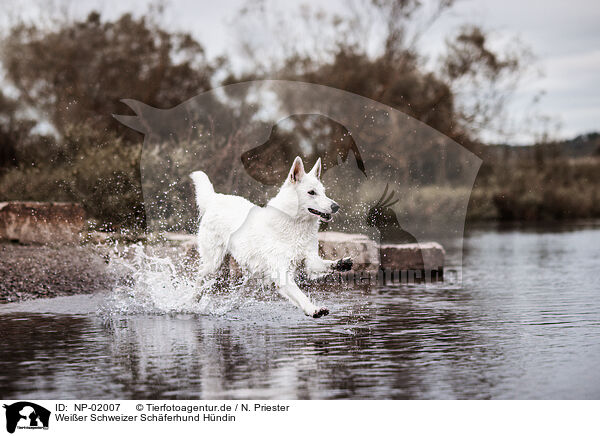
point(325, 217)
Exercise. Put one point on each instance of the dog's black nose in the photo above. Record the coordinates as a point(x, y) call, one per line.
point(335, 207)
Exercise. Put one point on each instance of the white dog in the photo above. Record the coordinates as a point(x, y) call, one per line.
point(271, 241)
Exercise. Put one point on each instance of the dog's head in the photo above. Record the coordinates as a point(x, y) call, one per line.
point(310, 192)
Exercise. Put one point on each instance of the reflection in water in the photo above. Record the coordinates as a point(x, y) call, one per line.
point(376, 348)
point(519, 328)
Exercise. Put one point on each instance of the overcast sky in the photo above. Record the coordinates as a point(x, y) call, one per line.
point(565, 38)
point(563, 35)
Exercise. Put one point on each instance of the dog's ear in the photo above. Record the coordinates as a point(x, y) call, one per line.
point(297, 170)
point(316, 170)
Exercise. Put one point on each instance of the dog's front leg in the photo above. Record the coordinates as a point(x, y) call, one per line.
point(317, 267)
point(290, 290)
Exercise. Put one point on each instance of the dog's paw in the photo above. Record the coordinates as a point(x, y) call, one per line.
point(322, 311)
point(344, 264)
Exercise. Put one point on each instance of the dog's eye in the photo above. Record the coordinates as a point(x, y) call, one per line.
point(312, 192)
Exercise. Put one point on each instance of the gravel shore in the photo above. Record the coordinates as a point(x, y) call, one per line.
point(39, 271)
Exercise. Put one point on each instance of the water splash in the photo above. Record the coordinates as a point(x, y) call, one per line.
point(161, 280)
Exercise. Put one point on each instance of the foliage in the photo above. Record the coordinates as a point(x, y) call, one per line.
point(561, 189)
point(78, 72)
point(373, 50)
point(73, 76)
point(103, 177)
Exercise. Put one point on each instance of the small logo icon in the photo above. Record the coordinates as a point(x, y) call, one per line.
point(26, 415)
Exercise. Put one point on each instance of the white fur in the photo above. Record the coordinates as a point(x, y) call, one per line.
point(270, 241)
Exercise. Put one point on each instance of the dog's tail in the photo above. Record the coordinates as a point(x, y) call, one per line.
point(204, 190)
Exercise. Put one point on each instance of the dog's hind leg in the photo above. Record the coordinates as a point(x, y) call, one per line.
point(211, 257)
point(290, 290)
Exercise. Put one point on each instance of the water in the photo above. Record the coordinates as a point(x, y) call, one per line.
point(525, 324)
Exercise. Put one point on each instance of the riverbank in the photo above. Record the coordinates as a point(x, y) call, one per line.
point(30, 271)
point(42, 271)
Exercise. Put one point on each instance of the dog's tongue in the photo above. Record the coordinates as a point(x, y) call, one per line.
point(325, 217)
